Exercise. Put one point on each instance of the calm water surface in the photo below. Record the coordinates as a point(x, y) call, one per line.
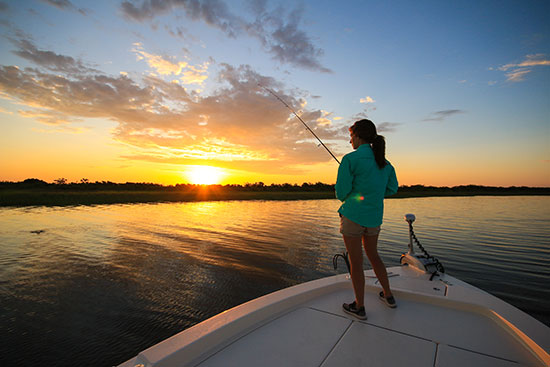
point(94, 285)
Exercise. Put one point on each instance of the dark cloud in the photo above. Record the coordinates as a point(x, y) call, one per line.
point(214, 12)
point(286, 41)
point(61, 4)
point(182, 33)
point(3, 6)
point(48, 59)
point(443, 115)
point(278, 32)
point(147, 10)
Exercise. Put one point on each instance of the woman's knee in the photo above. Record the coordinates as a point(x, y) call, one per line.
point(373, 255)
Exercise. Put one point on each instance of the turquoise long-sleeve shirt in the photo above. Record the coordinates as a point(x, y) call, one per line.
point(361, 186)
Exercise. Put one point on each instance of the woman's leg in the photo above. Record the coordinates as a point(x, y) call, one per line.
point(371, 248)
point(355, 252)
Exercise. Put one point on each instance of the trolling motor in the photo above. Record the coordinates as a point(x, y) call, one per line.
point(425, 262)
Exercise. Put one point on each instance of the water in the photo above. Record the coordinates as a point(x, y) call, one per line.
point(101, 283)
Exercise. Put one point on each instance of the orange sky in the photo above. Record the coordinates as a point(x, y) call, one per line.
point(129, 94)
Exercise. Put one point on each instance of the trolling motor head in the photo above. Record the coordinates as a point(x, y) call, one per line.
point(424, 263)
point(410, 218)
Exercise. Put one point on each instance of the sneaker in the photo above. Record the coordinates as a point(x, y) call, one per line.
point(352, 309)
point(389, 301)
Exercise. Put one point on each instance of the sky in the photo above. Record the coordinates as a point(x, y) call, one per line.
point(157, 90)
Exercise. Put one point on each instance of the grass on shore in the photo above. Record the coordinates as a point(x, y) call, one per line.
point(68, 197)
point(61, 198)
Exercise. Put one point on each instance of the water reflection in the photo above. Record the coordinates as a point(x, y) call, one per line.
point(102, 282)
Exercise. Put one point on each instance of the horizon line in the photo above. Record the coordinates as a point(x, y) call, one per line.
point(62, 182)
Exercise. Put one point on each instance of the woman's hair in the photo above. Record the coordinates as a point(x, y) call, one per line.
point(365, 130)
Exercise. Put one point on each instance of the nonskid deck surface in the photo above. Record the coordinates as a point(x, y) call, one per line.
point(426, 329)
point(414, 334)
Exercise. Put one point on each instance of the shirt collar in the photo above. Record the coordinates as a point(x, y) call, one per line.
point(364, 146)
point(366, 149)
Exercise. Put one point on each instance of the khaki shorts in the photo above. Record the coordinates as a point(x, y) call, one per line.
point(352, 229)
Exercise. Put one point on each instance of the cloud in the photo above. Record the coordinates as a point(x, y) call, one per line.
point(359, 116)
point(214, 12)
point(48, 59)
point(278, 32)
point(517, 72)
point(367, 99)
point(324, 119)
point(382, 127)
point(63, 129)
point(387, 126)
point(443, 115)
point(3, 6)
point(65, 5)
point(48, 117)
point(61, 4)
point(181, 32)
point(517, 75)
point(57, 98)
point(168, 66)
point(531, 60)
point(193, 77)
point(3, 110)
point(285, 41)
point(162, 65)
point(162, 122)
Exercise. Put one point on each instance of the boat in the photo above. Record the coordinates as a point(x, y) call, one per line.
point(439, 321)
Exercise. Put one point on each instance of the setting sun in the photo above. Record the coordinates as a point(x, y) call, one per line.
point(204, 175)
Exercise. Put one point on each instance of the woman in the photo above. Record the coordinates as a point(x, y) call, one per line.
point(365, 177)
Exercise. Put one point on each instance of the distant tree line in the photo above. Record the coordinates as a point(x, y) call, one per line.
point(474, 189)
point(86, 185)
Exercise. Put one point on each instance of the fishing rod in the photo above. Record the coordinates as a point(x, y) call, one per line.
point(299, 118)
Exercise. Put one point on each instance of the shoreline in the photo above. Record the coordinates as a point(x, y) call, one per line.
point(23, 198)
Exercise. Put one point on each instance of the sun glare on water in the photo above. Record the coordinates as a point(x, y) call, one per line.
point(204, 175)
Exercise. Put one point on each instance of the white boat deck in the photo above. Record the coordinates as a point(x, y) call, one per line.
point(444, 322)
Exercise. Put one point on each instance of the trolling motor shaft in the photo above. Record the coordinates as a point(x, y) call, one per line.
point(424, 263)
point(410, 218)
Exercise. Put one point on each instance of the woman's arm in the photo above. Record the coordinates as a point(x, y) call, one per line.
point(392, 185)
point(344, 180)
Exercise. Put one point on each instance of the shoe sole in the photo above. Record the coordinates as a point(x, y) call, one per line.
point(355, 315)
point(384, 301)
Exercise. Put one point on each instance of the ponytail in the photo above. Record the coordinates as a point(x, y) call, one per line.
point(366, 130)
point(379, 150)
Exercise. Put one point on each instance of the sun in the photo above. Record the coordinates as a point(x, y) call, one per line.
point(204, 175)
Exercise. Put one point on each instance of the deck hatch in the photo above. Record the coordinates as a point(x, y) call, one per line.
point(299, 338)
point(367, 345)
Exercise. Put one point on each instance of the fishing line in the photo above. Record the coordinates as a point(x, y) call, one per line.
point(299, 118)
